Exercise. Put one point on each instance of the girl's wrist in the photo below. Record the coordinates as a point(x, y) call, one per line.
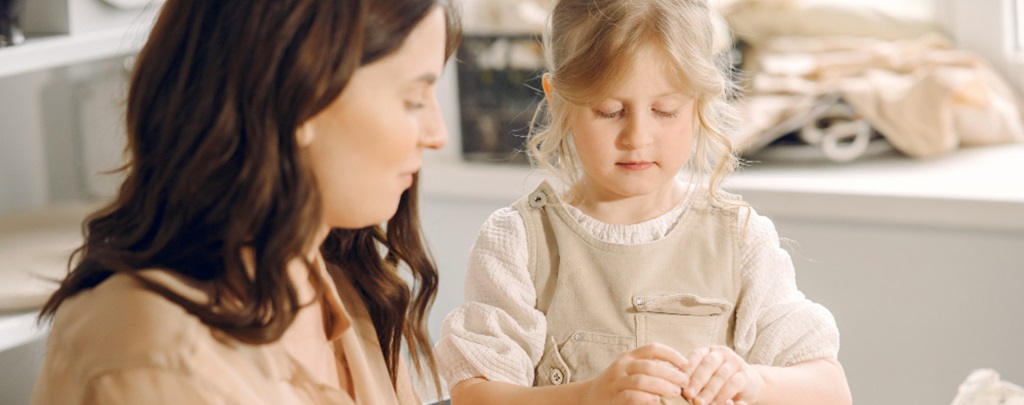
point(582, 391)
point(765, 377)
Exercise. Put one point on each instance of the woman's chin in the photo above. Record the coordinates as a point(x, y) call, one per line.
point(379, 216)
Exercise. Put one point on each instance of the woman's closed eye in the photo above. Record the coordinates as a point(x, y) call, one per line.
point(414, 105)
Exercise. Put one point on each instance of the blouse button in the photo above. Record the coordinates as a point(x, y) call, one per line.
point(556, 376)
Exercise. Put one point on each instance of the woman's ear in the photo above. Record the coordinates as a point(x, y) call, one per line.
point(304, 134)
point(545, 82)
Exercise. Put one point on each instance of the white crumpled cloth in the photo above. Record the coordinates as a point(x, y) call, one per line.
point(983, 387)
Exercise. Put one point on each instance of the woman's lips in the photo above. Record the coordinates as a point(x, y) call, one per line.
point(635, 165)
point(407, 177)
point(406, 180)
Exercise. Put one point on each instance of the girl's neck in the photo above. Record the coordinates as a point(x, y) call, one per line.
point(627, 210)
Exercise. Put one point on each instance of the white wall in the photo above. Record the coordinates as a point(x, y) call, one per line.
point(987, 27)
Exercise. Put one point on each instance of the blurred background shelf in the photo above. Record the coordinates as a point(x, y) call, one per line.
point(34, 249)
point(19, 328)
point(46, 52)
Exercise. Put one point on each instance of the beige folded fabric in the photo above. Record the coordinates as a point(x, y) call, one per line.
point(754, 20)
point(895, 69)
point(924, 96)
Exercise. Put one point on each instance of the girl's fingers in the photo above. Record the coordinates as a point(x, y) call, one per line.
point(704, 362)
point(637, 397)
point(651, 385)
point(658, 369)
point(719, 378)
point(658, 351)
point(731, 389)
point(694, 358)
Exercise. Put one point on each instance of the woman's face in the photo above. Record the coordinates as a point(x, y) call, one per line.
point(366, 145)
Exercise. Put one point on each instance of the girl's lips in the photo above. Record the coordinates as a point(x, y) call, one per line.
point(635, 165)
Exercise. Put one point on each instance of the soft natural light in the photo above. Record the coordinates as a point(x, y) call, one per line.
point(923, 9)
point(1018, 24)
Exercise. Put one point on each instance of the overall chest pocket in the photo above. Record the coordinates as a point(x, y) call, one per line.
point(682, 321)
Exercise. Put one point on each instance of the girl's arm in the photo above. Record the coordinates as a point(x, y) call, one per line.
point(497, 333)
point(791, 341)
point(820, 381)
point(639, 376)
point(482, 391)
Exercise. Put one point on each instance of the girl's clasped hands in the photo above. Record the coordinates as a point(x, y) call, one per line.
point(712, 375)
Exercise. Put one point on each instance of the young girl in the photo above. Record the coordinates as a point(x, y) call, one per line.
point(242, 260)
point(632, 285)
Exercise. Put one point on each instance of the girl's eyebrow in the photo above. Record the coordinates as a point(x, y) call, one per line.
point(669, 94)
point(658, 96)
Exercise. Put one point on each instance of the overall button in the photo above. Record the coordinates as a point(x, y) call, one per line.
point(556, 376)
point(577, 336)
point(639, 302)
point(538, 199)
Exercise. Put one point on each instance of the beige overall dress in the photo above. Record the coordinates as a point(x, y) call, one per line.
point(603, 299)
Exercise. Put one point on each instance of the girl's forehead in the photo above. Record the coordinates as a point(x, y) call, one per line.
point(649, 67)
point(653, 86)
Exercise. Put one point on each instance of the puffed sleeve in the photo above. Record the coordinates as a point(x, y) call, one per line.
point(775, 323)
point(497, 334)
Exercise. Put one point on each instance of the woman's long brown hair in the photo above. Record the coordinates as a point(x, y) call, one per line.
point(214, 169)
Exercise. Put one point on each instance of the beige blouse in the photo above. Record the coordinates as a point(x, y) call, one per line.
point(120, 343)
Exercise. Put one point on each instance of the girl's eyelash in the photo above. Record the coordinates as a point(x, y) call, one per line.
point(413, 105)
point(666, 114)
point(619, 113)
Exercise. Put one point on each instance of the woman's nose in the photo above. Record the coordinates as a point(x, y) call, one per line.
point(433, 131)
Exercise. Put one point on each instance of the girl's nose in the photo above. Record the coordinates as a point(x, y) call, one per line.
point(637, 133)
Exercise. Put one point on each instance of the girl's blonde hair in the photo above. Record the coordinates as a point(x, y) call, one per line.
point(589, 46)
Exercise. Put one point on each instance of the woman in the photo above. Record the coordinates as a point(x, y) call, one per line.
point(243, 260)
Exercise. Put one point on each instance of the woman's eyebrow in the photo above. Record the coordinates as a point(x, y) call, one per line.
point(428, 78)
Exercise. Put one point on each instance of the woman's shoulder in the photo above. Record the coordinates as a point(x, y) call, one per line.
point(122, 321)
point(120, 336)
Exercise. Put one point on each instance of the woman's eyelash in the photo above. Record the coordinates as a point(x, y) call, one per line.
point(414, 105)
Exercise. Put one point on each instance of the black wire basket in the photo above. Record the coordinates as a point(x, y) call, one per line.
point(499, 79)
